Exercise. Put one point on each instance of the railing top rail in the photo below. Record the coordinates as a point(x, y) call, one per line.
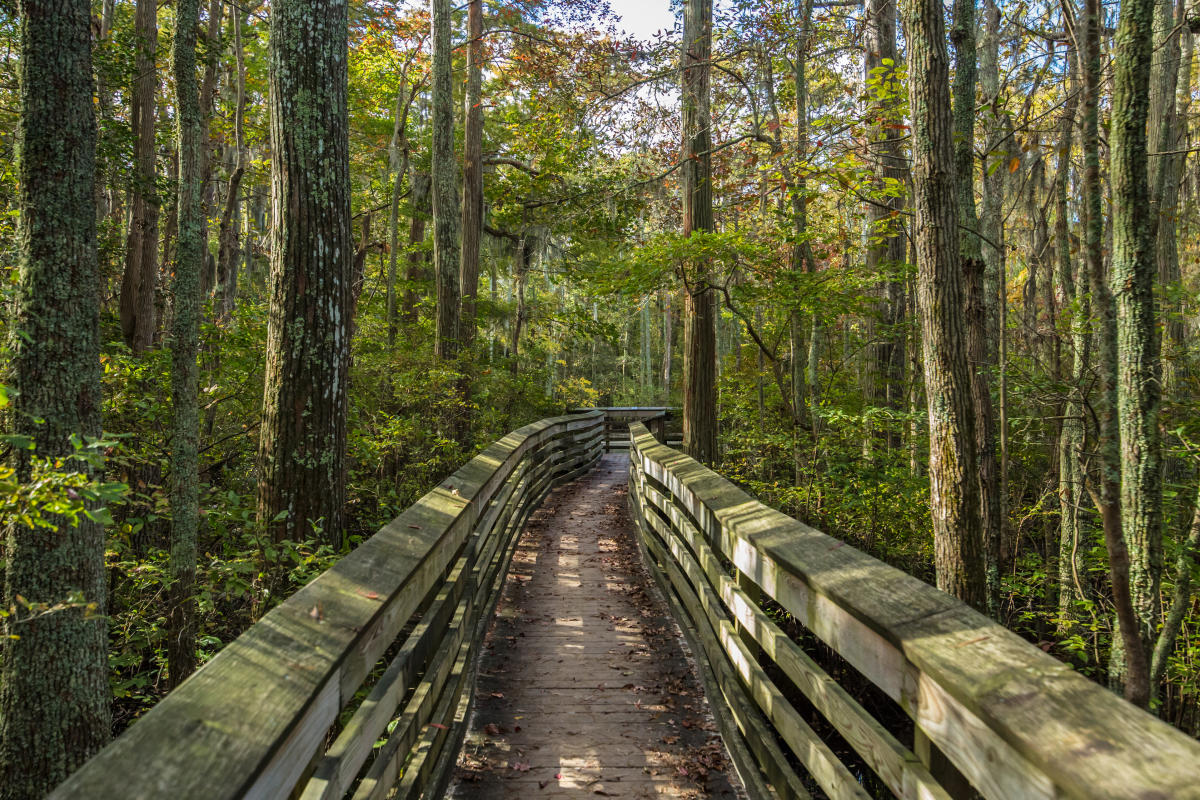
point(1014, 720)
point(248, 723)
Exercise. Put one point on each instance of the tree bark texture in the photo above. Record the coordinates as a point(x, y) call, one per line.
point(445, 196)
point(141, 258)
point(54, 692)
point(185, 342)
point(1134, 269)
point(954, 489)
point(302, 443)
point(1129, 660)
point(700, 310)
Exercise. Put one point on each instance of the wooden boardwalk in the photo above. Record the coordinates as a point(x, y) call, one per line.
point(584, 688)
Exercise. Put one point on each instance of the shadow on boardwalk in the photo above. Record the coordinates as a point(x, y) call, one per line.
point(584, 689)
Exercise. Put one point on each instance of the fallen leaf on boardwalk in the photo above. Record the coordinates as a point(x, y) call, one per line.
point(371, 595)
point(498, 694)
point(439, 726)
point(558, 776)
point(492, 729)
point(521, 766)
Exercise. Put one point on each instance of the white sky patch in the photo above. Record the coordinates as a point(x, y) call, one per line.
point(644, 18)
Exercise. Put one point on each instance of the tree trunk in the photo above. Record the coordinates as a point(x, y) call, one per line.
point(885, 252)
point(228, 246)
point(700, 312)
point(472, 209)
point(954, 489)
point(185, 341)
point(416, 269)
point(1077, 305)
point(1129, 656)
point(302, 444)
point(141, 259)
point(445, 195)
point(1133, 271)
point(54, 692)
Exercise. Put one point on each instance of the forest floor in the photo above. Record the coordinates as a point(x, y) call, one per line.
point(585, 688)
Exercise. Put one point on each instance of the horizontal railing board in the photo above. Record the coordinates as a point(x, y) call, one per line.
point(897, 766)
point(1013, 719)
point(250, 721)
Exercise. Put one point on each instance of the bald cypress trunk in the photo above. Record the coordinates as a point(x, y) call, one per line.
point(141, 258)
point(1133, 271)
point(954, 490)
point(700, 310)
point(302, 445)
point(445, 195)
point(185, 340)
point(54, 692)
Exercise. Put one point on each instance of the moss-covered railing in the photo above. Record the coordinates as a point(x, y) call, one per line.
point(990, 713)
point(356, 686)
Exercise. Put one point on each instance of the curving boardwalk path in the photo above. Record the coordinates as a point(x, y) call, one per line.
point(584, 688)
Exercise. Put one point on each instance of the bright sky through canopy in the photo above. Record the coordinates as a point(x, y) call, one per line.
point(644, 18)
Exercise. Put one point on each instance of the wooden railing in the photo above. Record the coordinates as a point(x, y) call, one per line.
point(662, 421)
point(283, 710)
point(986, 706)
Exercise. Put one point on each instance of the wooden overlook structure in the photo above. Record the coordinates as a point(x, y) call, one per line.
point(359, 685)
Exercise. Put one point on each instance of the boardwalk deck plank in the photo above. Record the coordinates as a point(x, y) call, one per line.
point(584, 689)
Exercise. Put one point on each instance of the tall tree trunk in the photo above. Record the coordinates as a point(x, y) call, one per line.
point(1129, 656)
point(141, 259)
point(954, 489)
point(971, 263)
point(209, 278)
point(885, 252)
point(445, 195)
point(1133, 271)
point(668, 336)
point(54, 692)
point(700, 312)
point(802, 261)
point(228, 246)
point(1077, 305)
point(472, 209)
point(302, 444)
point(185, 342)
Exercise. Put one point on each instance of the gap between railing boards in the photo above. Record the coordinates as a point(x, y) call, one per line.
point(256, 719)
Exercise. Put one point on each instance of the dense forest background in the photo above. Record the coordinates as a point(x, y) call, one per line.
point(525, 239)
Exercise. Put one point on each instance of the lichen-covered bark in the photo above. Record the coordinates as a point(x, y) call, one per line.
point(1132, 281)
point(54, 693)
point(954, 490)
point(302, 445)
point(444, 167)
point(1127, 649)
point(141, 259)
point(185, 342)
point(700, 310)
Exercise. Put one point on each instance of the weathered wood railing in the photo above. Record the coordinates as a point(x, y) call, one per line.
point(986, 706)
point(658, 419)
point(283, 711)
